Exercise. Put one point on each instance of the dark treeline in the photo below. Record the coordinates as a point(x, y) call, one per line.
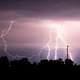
point(44, 66)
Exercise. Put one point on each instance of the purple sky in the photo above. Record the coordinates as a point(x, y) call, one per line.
point(29, 16)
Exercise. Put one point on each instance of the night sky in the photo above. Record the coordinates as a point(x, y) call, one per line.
point(30, 22)
point(55, 9)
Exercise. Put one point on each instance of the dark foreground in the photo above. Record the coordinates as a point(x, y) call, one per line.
point(44, 67)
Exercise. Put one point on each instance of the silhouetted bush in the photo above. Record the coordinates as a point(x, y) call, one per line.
point(44, 66)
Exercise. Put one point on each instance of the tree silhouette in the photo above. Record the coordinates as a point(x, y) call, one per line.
point(44, 66)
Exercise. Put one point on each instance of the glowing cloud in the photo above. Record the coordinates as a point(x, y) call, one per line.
point(59, 31)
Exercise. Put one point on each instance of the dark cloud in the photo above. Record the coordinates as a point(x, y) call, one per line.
point(42, 8)
point(38, 4)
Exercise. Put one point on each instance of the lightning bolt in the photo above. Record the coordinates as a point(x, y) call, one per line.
point(65, 43)
point(3, 36)
point(59, 36)
point(48, 45)
point(56, 48)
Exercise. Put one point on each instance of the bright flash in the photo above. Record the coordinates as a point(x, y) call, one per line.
point(59, 31)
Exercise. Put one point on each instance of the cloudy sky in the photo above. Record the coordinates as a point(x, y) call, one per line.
point(33, 19)
point(55, 9)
